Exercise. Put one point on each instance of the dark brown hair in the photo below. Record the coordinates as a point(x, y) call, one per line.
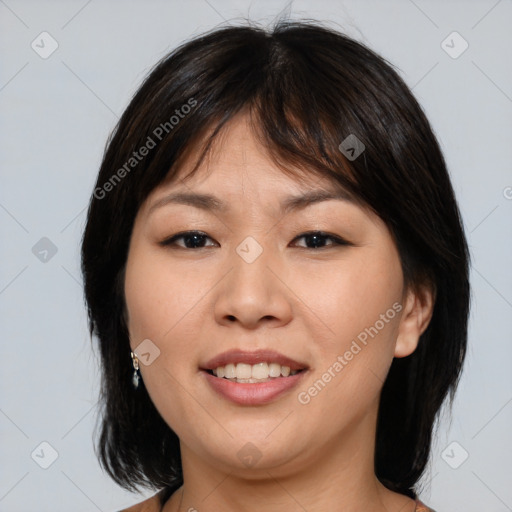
point(307, 88)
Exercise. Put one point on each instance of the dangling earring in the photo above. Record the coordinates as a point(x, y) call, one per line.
point(136, 374)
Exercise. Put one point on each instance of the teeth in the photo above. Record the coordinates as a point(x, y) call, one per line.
point(260, 371)
point(229, 371)
point(243, 372)
point(274, 370)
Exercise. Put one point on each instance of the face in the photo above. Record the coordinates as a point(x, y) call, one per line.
point(239, 285)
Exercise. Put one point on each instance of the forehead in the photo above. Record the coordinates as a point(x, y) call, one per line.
point(239, 174)
point(239, 162)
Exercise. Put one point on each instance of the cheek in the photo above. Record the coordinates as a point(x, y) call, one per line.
point(361, 306)
point(158, 296)
point(351, 296)
point(160, 301)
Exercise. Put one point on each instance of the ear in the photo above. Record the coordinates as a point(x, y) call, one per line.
point(418, 309)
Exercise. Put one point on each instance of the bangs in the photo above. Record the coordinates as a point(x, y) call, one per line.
point(282, 144)
point(301, 110)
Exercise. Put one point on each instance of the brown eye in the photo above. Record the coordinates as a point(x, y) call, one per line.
point(317, 239)
point(198, 239)
point(191, 240)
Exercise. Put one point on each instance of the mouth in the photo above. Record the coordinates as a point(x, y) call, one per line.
point(252, 367)
point(243, 373)
point(252, 378)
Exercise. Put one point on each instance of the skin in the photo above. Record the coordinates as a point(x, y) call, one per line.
point(305, 302)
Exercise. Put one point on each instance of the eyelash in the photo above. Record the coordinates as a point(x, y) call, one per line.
point(335, 239)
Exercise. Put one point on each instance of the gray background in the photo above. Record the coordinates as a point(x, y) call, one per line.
point(56, 114)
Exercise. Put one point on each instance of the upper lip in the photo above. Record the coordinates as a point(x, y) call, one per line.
point(254, 357)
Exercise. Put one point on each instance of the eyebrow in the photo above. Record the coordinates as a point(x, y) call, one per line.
point(209, 202)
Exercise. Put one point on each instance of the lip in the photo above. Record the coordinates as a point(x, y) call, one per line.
point(260, 393)
point(258, 356)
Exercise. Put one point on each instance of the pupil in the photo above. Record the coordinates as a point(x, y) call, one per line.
point(196, 237)
point(317, 239)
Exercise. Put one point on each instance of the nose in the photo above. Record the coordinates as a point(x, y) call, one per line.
point(254, 293)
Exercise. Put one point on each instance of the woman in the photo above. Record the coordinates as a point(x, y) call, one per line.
point(277, 274)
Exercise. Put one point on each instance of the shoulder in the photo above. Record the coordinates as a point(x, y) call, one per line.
point(421, 507)
point(152, 504)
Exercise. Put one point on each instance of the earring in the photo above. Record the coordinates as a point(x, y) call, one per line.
point(136, 373)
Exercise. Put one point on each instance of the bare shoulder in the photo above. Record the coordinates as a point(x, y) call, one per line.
point(153, 504)
point(421, 507)
point(150, 505)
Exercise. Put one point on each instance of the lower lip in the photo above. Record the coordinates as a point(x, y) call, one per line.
point(253, 394)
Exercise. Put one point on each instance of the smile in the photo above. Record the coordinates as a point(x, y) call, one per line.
point(252, 378)
point(246, 373)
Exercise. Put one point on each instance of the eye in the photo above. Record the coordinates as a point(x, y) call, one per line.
point(191, 240)
point(317, 240)
point(197, 239)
